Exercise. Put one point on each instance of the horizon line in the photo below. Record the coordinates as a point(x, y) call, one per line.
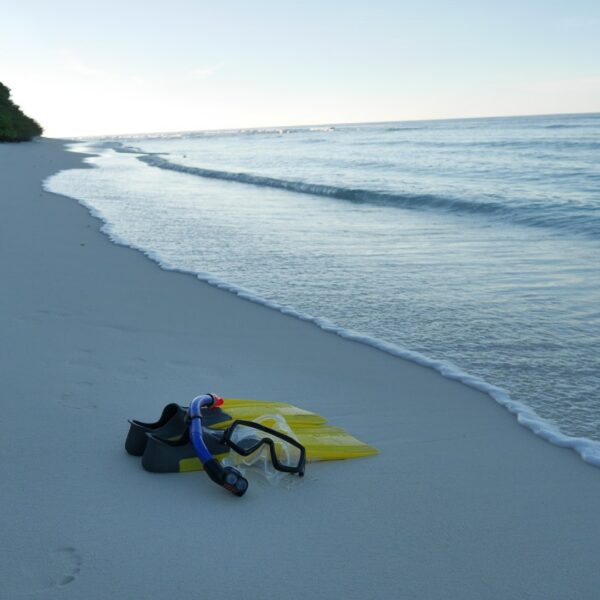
point(339, 124)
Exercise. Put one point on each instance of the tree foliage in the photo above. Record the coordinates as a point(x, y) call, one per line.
point(15, 126)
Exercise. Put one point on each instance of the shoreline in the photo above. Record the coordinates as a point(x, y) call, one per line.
point(461, 502)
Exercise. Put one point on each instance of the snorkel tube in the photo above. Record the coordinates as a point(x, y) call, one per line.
point(227, 477)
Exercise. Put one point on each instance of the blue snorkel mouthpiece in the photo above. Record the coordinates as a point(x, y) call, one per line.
point(227, 477)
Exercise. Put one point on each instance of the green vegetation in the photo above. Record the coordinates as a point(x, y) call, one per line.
point(14, 125)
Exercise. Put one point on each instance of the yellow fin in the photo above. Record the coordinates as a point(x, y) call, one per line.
point(332, 443)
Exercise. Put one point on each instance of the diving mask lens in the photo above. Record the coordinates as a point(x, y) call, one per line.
point(249, 438)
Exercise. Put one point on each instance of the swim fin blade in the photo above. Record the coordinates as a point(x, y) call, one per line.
point(331, 443)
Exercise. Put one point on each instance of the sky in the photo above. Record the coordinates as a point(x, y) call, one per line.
point(128, 66)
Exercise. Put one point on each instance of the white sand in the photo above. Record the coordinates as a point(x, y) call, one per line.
point(461, 503)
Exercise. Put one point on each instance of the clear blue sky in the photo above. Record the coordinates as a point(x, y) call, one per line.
point(108, 67)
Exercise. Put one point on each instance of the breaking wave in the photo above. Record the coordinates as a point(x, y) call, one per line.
point(574, 220)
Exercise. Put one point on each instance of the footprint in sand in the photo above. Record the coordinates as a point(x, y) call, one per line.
point(38, 571)
point(65, 564)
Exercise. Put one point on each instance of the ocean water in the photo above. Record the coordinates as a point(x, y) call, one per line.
point(472, 246)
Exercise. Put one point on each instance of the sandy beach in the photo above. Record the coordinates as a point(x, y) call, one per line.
point(462, 502)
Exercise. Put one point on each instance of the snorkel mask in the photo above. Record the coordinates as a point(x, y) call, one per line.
point(246, 438)
point(266, 443)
